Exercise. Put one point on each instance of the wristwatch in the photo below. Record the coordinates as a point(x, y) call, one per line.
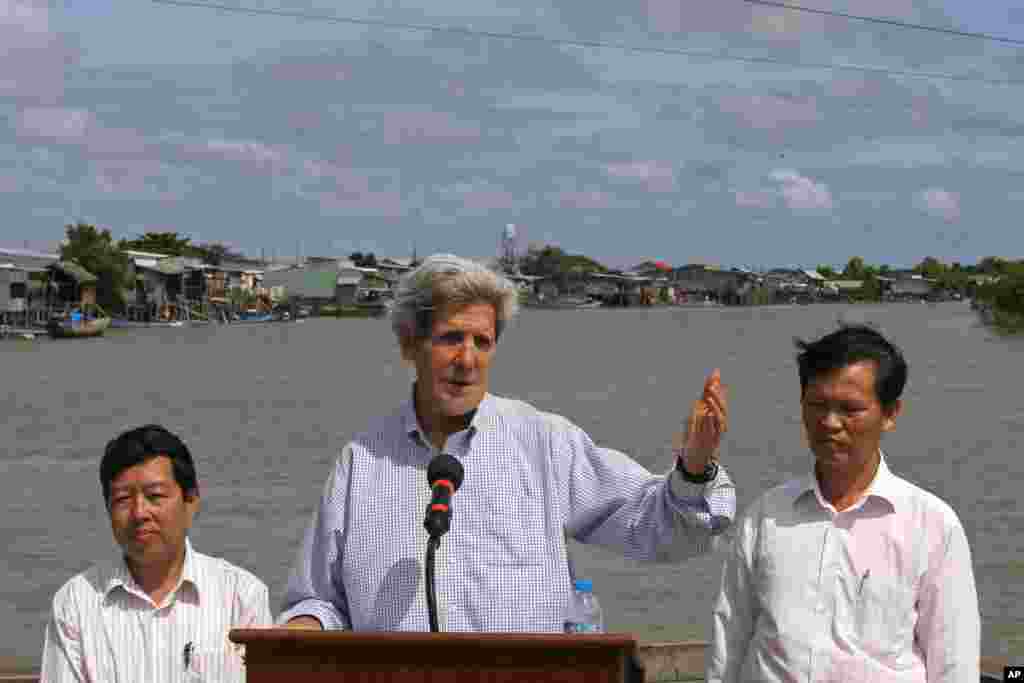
point(709, 473)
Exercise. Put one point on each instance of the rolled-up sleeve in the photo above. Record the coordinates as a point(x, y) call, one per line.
point(315, 587)
point(615, 502)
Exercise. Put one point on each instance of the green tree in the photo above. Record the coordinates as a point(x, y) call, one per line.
point(991, 265)
point(168, 243)
point(552, 261)
point(242, 298)
point(931, 267)
point(97, 252)
point(871, 290)
point(827, 272)
point(854, 269)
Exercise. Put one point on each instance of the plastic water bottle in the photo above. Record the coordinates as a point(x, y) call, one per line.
point(584, 614)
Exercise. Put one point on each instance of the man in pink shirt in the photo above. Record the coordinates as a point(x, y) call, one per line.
point(849, 573)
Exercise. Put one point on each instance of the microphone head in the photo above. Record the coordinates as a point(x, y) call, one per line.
point(444, 466)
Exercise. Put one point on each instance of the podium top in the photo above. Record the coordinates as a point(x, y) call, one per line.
point(335, 639)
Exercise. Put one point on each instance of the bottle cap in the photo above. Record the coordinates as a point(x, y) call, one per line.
point(583, 585)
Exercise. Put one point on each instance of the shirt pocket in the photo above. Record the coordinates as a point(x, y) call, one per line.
point(883, 615)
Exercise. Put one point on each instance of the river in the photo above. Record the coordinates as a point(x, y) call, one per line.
point(265, 408)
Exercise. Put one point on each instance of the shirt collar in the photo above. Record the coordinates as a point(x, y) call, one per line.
point(121, 577)
point(885, 485)
point(482, 419)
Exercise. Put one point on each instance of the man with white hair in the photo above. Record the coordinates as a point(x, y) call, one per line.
point(531, 478)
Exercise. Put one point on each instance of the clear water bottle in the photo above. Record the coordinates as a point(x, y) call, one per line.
point(584, 614)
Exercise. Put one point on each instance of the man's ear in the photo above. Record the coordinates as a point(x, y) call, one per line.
point(407, 344)
point(890, 415)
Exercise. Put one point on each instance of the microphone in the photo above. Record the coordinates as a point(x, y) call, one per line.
point(444, 474)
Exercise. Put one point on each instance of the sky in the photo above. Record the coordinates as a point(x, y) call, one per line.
point(286, 136)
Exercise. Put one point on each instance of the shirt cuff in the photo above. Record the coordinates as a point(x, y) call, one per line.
point(685, 489)
point(327, 613)
point(711, 505)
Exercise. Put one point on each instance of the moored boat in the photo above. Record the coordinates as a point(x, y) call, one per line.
point(68, 328)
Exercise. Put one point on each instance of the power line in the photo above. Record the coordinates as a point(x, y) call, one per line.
point(886, 22)
point(529, 37)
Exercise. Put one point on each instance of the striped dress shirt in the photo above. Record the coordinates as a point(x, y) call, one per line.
point(105, 629)
point(882, 592)
point(531, 479)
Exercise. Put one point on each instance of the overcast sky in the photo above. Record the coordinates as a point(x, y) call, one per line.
point(283, 135)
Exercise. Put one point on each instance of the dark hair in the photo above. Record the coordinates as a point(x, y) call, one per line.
point(140, 444)
point(851, 344)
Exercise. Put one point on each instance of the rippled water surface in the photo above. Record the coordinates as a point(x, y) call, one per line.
point(265, 408)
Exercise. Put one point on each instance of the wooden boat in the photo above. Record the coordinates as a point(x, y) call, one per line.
point(64, 328)
point(118, 323)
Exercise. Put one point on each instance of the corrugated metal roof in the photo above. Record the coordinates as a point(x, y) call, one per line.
point(28, 253)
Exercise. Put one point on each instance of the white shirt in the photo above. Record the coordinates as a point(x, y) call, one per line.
point(105, 629)
point(881, 592)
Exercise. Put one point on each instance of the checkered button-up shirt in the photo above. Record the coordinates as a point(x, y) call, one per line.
point(530, 478)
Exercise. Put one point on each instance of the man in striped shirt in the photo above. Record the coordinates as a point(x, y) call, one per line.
point(162, 611)
point(531, 479)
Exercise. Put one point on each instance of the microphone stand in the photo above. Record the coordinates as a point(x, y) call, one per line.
point(432, 546)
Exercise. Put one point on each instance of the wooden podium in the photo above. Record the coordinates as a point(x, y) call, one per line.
point(273, 655)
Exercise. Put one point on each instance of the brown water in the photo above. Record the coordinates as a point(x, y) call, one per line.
point(265, 408)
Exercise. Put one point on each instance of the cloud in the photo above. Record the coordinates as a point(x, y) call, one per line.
point(54, 124)
point(136, 179)
point(480, 195)
point(657, 176)
point(696, 16)
point(940, 203)
point(80, 128)
point(346, 182)
point(9, 183)
point(587, 199)
point(302, 121)
point(388, 204)
point(757, 199)
point(33, 57)
point(245, 152)
point(344, 190)
point(771, 111)
point(801, 192)
point(402, 127)
point(308, 70)
point(252, 156)
point(857, 86)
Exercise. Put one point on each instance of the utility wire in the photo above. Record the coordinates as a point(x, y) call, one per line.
point(886, 22)
point(712, 56)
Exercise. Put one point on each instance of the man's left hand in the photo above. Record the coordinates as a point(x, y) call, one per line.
point(709, 419)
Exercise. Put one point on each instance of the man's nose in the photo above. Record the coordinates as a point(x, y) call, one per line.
point(140, 509)
point(830, 420)
point(465, 354)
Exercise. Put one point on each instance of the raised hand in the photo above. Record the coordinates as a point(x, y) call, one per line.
point(708, 421)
